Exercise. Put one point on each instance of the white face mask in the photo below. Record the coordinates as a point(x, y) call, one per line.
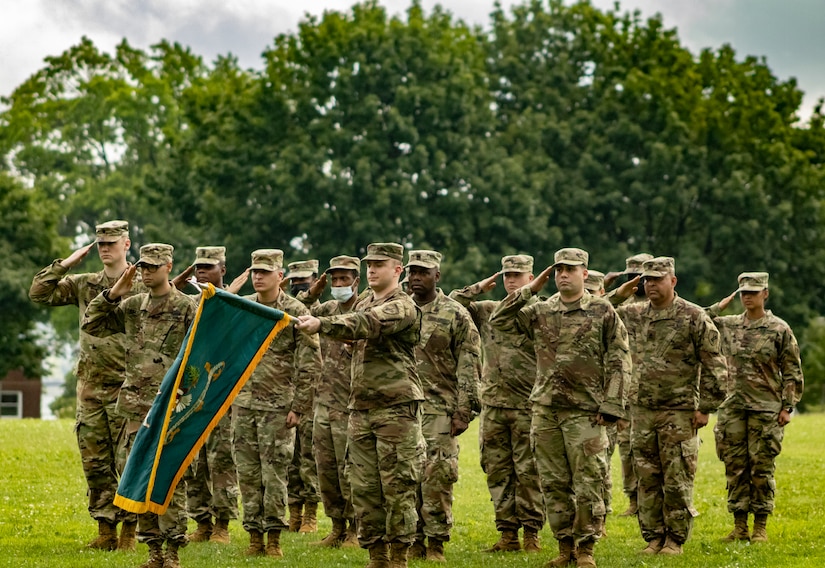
point(341, 293)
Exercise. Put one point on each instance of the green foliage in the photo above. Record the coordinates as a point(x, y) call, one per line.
point(65, 405)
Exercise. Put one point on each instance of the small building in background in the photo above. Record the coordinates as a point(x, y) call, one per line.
point(20, 396)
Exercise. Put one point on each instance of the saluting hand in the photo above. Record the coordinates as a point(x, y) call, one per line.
point(78, 255)
point(725, 302)
point(181, 280)
point(629, 288)
point(539, 281)
point(238, 282)
point(318, 286)
point(124, 284)
point(488, 283)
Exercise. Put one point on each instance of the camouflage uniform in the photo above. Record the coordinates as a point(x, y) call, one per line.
point(765, 377)
point(507, 379)
point(583, 370)
point(448, 356)
point(155, 329)
point(100, 371)
point(262, 444)
point(670, 347)
point(385, 445)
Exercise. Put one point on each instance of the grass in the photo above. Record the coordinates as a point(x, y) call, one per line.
point(44, 523)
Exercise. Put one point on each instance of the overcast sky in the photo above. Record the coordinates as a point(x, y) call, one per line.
point(788, 32)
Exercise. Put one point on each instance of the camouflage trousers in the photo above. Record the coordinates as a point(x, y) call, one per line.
point(302, 473)
point(435, 492)
point(97, 428)
point(607, 494)
point(212, 480)
point(629, 482)
point(262, 446)
point(385, 453)
point(665, 451)
point(170, 526)
point(507, 459)
point(329, 437)
point(569, 449)
point(748, 443)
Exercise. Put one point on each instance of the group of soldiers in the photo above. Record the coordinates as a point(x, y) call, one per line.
point(359, 404)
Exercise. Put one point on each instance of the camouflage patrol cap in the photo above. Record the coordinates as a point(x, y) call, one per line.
point(267, 259)
point(517, 263)
point(385, 251)
point(210, 255)
point(753, 281)
point(156, 254)
point(111, 231)
point(594, 281)
point(633, 264)
point(302, 268)
point(424, 259)
point(658, 267)
point(571, 256)
point(344, 262)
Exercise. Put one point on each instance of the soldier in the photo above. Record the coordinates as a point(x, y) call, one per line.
point(99, 372)
point(508, 376)
point(583, 371)
point(679, 375)
point(449, 366)
point(212, 481)
point(302, 473)
point(765, 384)
point(594, 282)
point(633, 268)
point(385, 446)
point(277, 397)
point(329, 430)
point(155, 324)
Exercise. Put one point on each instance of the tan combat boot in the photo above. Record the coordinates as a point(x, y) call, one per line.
point(155, 556)
point(336, 535)
point(740, 527)
point(256, 544)
point(632, 508)
point(126, 541)
point(309, 522)
point(671, 547)
point(379, 556)
point(220, 532)
point(584, 555)
point(273, 544)
point(566, 554)
point(398, 554)
point(170, 559)
point(203, 532)
point(507, 542)
point(106, 536)
point(418, 549)
point(531, 540)
point(654, 546)
point(295, 517)
point(435, 550)
point(760, 528)
point(351, 537)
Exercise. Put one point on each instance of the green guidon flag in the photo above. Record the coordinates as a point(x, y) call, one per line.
point(221, 349)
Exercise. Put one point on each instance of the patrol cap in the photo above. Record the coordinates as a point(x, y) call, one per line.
point(267, 259)
point(594, 281)
point(571, 257)
point(156, 254)
point(658, 267)
point(210, 255)
point(111, 231)
point(517, 263)
point(385, 251)
point(633, 264)
point(753, 281)
point(344, 262)
point(424, 259)
point(302, 268)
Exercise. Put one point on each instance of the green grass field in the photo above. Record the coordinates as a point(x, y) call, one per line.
point(44, 523)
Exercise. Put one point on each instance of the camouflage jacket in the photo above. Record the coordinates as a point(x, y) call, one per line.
point(102, 360)
point(765, 372)
point(449, 359)
point(670, 347)
point(385, 333)
point(582, 350)
point(508, 358)
point(287, 373)
point(334, 385)
point(155, 329)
